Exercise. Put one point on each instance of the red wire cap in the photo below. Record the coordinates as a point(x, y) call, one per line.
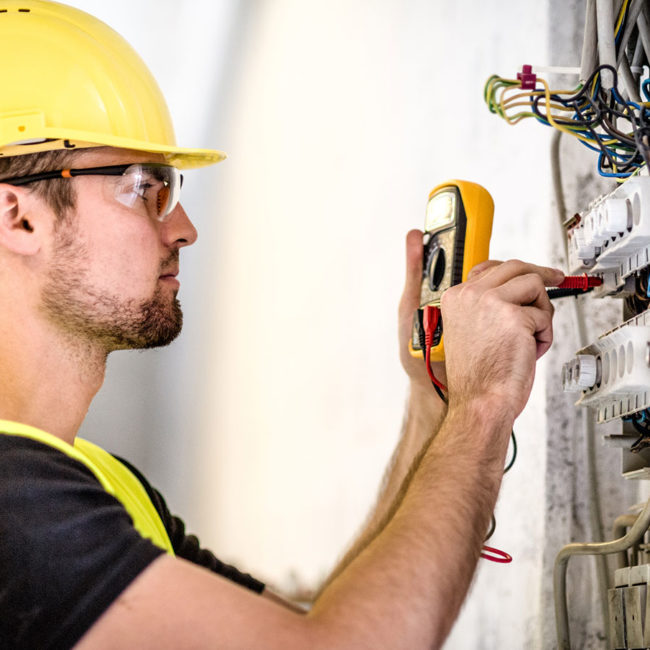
point(527, 78)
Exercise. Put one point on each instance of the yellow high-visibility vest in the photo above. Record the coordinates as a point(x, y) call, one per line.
point(113, 476)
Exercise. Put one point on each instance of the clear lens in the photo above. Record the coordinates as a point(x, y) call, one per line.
point(155, 188)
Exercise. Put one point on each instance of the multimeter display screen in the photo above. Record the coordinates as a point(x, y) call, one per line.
point(441, 211)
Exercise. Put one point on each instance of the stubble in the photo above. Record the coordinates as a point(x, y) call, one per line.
point(95, 316)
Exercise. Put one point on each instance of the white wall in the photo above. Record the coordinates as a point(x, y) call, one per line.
point(277, 410)
point(343, 117)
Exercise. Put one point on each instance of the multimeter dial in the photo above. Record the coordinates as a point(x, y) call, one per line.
point(442, 264)
point(434, 268)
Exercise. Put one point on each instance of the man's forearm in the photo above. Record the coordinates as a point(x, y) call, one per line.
point(422, 419)
point(419, 567)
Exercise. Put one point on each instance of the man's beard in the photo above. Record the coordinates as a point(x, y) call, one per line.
point(97, 317)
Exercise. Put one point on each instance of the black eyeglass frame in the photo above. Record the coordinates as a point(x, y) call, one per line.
point(109, 170)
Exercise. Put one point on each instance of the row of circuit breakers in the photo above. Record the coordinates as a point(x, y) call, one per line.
point(611, 240)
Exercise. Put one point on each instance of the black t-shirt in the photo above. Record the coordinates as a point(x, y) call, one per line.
point(68, 548)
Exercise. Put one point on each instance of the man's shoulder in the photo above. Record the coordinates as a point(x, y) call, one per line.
point(67, 547)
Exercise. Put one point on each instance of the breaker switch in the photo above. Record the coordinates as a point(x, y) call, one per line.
point(580, 373)
point(615, 217)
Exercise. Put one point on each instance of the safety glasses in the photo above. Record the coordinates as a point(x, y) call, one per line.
point(155, 187)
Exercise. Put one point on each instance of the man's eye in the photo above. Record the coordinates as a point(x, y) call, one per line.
point(143, 190)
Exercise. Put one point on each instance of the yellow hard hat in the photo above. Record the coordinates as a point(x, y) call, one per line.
point(69, 80)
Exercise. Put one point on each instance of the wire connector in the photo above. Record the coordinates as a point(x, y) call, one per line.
point(527, 78)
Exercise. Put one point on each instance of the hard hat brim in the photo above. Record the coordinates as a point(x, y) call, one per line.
point(53, 139)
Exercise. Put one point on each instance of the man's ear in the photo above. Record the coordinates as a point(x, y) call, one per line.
point(21, 221)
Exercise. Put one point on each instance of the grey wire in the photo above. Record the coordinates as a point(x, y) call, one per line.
point(621, 524)
point(606, 46)
point(628, 79)
point(595, 517)
point(638, 53)
point(644, 32)
point(556, 172)
point(589, 58)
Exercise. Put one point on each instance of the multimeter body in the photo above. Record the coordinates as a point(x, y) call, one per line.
point(457, 231)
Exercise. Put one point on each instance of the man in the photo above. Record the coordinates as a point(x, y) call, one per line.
point(90, 235)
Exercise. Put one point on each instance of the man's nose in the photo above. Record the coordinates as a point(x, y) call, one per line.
point(177, 229)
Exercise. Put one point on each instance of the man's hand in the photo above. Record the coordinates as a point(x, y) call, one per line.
point(497, 324)
point(410, 301)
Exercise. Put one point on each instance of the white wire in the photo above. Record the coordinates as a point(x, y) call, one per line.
point(589, 44)
point(606, 46)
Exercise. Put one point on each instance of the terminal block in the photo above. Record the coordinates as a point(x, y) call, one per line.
point(613, 373)
point(629, 608)
point(612, 238)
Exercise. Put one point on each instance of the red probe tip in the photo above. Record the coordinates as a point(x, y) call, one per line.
point(583, 282)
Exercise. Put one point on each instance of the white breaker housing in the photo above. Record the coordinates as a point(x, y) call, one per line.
point(613, 373)
point(612, 238)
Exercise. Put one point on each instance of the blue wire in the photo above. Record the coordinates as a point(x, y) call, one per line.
point(616, 96)
point(645, 89)
point(610, 174)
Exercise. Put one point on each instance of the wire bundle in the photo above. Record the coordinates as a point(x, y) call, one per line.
point(608, 112)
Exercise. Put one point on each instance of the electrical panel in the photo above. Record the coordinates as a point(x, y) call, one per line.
point(613, 373)
point(607, 110)
point(610, 239)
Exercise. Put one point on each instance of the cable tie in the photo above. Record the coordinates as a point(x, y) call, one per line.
point(527, 78)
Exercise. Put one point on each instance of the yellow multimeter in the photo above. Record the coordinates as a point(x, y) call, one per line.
point(457, 231)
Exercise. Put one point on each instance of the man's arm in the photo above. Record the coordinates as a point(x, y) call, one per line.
point(404, 589)
point(423, 415)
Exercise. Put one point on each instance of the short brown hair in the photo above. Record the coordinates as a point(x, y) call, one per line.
point(59, 194)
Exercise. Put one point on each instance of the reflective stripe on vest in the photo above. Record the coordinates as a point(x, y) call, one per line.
point(113, 476)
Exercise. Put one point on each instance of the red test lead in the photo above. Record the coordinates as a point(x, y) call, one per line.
point(574, 285)
point(430, 321)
